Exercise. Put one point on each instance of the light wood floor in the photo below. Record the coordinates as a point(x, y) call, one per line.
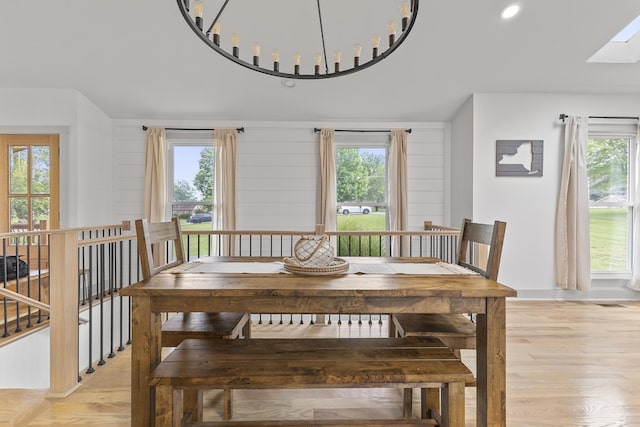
point(568, 364)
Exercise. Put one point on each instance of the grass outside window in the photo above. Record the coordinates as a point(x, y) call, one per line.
point(196, 246)
point(609, 237)
point(365, 246)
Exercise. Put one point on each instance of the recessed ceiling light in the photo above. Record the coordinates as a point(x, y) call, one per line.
point(510, 11)
point(288, 83)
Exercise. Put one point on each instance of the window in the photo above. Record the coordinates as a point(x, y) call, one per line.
point(609, 170)
point(191, 169)
point(361, 191)
point(29, 198)
point(623, 48)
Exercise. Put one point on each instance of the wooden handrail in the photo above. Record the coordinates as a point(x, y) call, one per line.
point(416, 233)
point(428, 225)
point(25, 300)
point(432, 230)
point(125, 225)
point(104, 240)
point(446, 232)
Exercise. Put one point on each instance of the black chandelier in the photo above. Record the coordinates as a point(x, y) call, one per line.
point(211, 35)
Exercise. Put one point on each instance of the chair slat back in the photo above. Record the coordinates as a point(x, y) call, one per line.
point(152, 245)
point(480, 242)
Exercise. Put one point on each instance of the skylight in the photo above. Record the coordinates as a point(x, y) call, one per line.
point(628, 32)
point(623, 48)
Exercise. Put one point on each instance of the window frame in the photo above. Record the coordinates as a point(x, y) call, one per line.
point(172, 143)
point(621, 129)
point(365, 141)
point(31, 140)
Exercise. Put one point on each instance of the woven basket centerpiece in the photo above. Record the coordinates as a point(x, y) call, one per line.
point(313, 256)
point(314, 251)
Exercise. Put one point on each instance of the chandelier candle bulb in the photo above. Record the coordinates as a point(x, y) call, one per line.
point(256, 54)
point(216, 33)
point(198, 10)
point(336, 58)
point(357, 50)
point(375, 41)
point(296, 63)
point(392, 32)
point(276, 60)
point(318, 59)
point(404, 12)
point(235, 42)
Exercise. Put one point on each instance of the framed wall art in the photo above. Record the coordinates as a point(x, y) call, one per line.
point(519, 157)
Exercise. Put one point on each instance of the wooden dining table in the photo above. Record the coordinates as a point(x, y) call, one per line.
point(192, 288)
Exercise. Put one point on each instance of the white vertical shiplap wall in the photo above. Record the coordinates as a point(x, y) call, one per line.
point(278, 171)
point(129, 172)
point(426, 153)
point(277, 178)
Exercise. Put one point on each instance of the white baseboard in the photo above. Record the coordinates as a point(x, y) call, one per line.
point(601, 290)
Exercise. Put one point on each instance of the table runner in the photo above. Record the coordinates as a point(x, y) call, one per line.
point(276, 267)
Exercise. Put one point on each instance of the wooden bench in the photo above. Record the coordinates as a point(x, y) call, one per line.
point(305, 363)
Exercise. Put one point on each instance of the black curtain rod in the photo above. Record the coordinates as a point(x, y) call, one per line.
point(564, 116)
point(240, 130)
point(360, 130)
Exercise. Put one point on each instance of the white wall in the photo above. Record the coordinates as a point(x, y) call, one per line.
point(528, 205)
point(32, 351)
point(462, 164)
point(25, 362)
point(93, 166)
point(37, 107)
point(278, 171)
point(85, 141)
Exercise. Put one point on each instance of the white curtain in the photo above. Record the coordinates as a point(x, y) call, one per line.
point(572, 250)
point(635, 197)
point(397, 191)
point(328, 197)
point(225, 182)
point(155, 175)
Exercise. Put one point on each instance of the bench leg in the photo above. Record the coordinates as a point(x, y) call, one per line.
point(407, 403)
point(452, 405)
point(246, 329)
point(168, 406)
point(392, 327)
point(193, 400)
point(429, 403)
point(227, 401)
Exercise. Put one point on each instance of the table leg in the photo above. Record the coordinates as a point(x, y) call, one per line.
point(491, 358)
point(145, 355)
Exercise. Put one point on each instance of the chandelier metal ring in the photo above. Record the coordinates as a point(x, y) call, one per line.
point(210, 38)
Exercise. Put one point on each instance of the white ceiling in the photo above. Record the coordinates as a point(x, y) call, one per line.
point(138, 59)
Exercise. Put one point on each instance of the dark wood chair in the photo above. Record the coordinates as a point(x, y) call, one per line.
point(480, 250)
point(182, 326)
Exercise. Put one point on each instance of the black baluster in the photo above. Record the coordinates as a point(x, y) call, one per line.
point(90, 369)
